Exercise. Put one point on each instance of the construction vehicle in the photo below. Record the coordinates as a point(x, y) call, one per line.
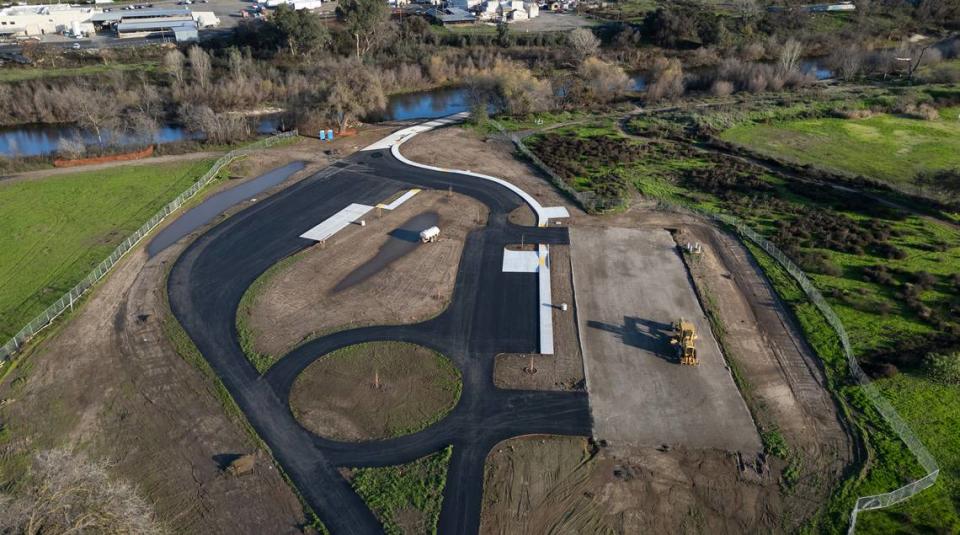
point(683, 337)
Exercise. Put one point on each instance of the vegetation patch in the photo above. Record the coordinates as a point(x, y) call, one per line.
point(55, 230)
point(405, 498)
point(375, 390)
point(888, 147)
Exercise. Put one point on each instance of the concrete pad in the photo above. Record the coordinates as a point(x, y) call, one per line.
point(336, 222)
point(631, 285)
point(520, 261)
point(400, 200)
point(554, 212)
point(546, 301)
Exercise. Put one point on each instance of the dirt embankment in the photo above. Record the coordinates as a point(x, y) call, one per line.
point(304, 297)
point(374, 391)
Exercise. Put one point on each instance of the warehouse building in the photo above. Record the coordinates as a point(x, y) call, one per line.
point(29, 21)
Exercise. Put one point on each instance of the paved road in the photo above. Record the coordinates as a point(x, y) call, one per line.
point(490, 312)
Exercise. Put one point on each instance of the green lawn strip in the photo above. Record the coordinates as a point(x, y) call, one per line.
point(32, 73)
point(261, 361)
point(405, 498)
point(886, 147)
point(56, 229)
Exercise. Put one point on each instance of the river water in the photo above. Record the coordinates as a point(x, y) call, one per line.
point(42, 139)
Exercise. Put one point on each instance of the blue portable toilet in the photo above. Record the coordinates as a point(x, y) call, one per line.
point(330, 135)
point(323, 135)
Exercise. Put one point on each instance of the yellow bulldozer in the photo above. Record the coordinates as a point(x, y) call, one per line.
point(683, 337)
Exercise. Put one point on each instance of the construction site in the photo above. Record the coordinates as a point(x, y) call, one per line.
point(624, 373)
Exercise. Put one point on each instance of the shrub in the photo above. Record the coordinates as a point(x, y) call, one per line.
point(944, 367)
point(721, 88)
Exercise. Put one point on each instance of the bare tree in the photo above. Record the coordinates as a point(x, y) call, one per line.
point(583, 44)
point(71, 148)
point(173, 64)
point(355, 90)
point(96, 110)
point(602, 81)
point(790, 56)
point(199, 66)
point(668, 80)
point(68, 493)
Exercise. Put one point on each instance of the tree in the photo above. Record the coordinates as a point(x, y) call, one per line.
point(354, 91)
point(96, 110)
point(67, 493)
point(503, 33)
point(583, 44)
point(602, 81)
point(199, 66)
point(364, 19)
point(301, 32)
point(668, 80)
point(790, 56)
point(173, 64)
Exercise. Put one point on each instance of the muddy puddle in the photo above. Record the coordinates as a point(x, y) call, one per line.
point(403, 240)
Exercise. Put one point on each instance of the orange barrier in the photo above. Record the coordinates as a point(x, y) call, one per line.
point(145, 153)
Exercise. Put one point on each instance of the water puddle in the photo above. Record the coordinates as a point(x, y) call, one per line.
point(213, 206)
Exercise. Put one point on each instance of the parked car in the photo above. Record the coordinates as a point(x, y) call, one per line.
point(76, 46)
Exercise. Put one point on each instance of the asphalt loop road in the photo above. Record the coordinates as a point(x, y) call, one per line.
point(491, 312)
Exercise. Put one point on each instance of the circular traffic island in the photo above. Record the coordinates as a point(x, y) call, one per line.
point(375, 390)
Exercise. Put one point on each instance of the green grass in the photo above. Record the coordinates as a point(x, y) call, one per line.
point(32, 73)
point(885, 147)
point(54, 230)
point(261, 361)
point(406, 498)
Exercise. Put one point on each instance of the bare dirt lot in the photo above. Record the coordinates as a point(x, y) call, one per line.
point(301, 299)
point(546, 484)
point(374, 391)
point(631, 285)
point(564, 369)
point(111, 384)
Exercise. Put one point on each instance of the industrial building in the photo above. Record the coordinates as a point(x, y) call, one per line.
point(181, 24)
point(30, 21)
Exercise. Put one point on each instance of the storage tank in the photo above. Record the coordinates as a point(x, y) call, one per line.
point(430, 235)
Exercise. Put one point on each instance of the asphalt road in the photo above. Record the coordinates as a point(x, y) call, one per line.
point(490, 312)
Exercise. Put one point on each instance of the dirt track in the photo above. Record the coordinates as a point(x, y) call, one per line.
point(298, 301)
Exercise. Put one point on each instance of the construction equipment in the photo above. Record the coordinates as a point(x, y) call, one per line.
point(683, 337)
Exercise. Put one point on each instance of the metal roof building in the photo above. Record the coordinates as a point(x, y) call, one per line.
point(451, 15)
point(181, 30)
point(132, 14)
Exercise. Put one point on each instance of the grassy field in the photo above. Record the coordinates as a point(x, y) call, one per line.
point(375, 390)
point(32, 73)
point(886, 147)
point(406, 498)
point(54, 230)
point(888, 274)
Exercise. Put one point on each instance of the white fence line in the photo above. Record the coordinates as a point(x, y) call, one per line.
point(15, 344)
point(886, 410)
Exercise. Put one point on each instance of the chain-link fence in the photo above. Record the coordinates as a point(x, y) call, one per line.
point(67, 300)
point(890, 415)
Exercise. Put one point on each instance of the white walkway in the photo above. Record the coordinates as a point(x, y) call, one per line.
point(546, 302)
point(336, 222)
point(400, 200)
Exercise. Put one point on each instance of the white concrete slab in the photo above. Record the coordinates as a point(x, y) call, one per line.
point(555, 212)
point(336, 222)
point(520, 261)
point(546, 302)
point(400, 200)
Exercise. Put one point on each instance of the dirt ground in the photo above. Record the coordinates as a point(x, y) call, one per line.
point(375, 391)
point(296, 301)
point(785, 384)
point(548, 484)
point(564, 369)
point(108, 382)
point(490, 156)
